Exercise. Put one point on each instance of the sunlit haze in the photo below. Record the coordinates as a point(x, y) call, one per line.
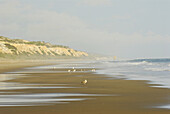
point(122, 28)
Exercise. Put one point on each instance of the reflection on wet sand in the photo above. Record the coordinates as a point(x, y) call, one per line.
point(7, 76)
point(37, 99)
point(41, 99)
point(14, 86)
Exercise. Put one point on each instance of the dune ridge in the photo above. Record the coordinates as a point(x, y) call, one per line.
point(23, 47)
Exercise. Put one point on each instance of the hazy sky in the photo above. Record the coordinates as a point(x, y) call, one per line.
point(125, 28)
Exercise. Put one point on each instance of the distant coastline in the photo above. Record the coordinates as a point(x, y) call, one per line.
point(19, 48)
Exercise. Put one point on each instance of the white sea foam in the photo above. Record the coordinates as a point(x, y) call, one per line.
point(158, 69)
point(139, 63)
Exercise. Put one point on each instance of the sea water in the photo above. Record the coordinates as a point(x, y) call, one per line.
point(155, 71)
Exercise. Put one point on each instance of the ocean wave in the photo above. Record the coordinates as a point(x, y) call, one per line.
point(151, 60)
point(157, 69)
point(140, 63)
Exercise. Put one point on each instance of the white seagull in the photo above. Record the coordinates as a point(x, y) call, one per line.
point(93, 70)
point(74, 70)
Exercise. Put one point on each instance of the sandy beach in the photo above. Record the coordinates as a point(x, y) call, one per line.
point(101, 95)
point(84, 57)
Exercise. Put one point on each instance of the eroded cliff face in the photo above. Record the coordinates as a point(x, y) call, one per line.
point(23, 47)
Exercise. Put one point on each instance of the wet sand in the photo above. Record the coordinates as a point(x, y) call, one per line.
point(10, 65)
point(115, 96)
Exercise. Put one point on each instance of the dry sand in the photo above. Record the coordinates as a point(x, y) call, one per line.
point(126, 96)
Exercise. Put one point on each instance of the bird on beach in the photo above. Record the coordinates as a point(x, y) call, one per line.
point(84, 82)
point(93, 70)
point(74, 70)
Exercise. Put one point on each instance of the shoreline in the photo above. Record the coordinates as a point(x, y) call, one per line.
point(128, 96)
point(7, 65)
point(10, 65)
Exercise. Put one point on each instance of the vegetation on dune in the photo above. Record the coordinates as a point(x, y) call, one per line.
point(34, 57)
point(19, 48)
point(10, 46)
point(37, 43)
